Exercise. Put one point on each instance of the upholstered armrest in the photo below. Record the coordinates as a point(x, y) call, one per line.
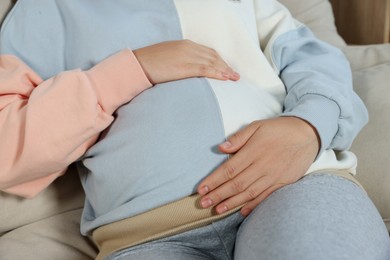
point(371, 71)
point(318, 16)
point(371, 66)
point(5, 5)
point(366, 56)
point(65, 194)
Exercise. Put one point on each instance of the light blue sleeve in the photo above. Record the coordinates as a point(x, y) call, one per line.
point(319, 87)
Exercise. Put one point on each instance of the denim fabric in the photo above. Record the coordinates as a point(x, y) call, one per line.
point(322, 216)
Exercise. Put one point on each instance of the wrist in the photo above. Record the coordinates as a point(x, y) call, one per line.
point(309, 131)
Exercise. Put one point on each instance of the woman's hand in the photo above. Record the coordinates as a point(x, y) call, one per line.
point(182, 59)
point(268, 155)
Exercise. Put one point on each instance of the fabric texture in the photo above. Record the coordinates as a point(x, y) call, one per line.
point(24, 219)
point(162, 143)
point(5, 5)
point(318, 16)
point(87, 101)
point(65, 194)
point(372, 84)
point(171, 219)
point(55, 237)
point(316, 207)
point(366, 57)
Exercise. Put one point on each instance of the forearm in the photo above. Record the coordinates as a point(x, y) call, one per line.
point(46, 125)
point(319, 88)
point(316, 75)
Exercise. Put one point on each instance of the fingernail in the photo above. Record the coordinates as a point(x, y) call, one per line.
point(204, 190)
point(222, 209)
point(227, 145)
point(206, 202)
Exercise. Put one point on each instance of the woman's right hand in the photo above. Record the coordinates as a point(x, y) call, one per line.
point(174, 60)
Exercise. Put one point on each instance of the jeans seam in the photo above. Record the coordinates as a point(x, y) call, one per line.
point(222, 242)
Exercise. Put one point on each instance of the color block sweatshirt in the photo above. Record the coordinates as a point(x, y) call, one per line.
point(67, 75)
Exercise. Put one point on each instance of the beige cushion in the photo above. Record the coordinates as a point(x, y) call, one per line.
point(63, 195)
point(372, 146)
point(5, 5)
point(367, 56)
point(54, 238)
point(46, 227)
point(318, 16)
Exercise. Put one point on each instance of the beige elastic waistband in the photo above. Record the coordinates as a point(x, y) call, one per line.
point(168, 220)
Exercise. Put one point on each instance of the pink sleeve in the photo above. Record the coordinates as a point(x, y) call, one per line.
point(47, 125)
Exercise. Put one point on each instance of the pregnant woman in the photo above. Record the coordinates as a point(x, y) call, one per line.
point(202, 129)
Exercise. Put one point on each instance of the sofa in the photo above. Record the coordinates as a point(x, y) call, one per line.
point(47, 227)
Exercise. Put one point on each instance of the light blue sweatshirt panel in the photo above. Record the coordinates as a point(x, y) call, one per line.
point(163, 142)
point(161, 145)
point(56, 35)
point(318, 80)
point(33, 31)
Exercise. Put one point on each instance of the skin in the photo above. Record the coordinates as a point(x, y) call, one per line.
point(174, 60)
point(265, 156)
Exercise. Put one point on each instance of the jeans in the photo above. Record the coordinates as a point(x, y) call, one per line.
point(322, 216)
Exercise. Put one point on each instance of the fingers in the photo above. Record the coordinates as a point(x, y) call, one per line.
point(250, 206)
point(227, 197)
point(247, 186)
point(209, 63)
point(174, 60)
point(226, 172)
point(236, 164)
point(239, 139)
point(212, 66)
point(268, 155)
point(212, 71)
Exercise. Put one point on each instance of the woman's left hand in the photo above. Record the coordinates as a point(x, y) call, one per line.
point(268, 154)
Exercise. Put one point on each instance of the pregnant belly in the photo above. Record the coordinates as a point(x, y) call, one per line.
point(163, 143)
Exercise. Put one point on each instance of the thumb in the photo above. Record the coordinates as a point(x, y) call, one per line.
point(239, 139)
